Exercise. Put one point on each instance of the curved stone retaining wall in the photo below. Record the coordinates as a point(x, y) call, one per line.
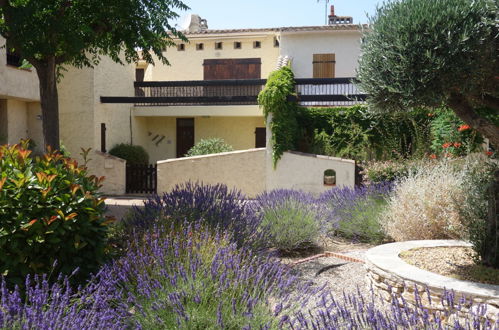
point(388, 274)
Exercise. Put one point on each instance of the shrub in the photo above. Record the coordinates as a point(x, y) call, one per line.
point(355, 132)
point(134, 155)
point(355, 213)
point(451, 136)
point(50, 210)
point(391, 170)
point(477, 211)
point(290, 217)
point(209, 146)
point(426, 205)
point(196, 279)
point(56, 305)
point(215, 205)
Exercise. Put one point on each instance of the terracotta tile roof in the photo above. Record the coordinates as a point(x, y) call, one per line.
point(278, 29)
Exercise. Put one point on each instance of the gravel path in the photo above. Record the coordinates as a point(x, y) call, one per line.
point(338, 275)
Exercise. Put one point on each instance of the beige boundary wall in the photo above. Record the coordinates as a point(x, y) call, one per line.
point(112, 168)
point(247, 171)
point(243, 170)
point(300, 171)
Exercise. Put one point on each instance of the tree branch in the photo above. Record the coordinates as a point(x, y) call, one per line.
point(465, 111)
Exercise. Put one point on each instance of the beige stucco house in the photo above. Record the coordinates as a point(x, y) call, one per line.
point(208, 90)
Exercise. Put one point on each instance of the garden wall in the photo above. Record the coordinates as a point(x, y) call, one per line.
point(250, 171)
point(389, 275)
point(301, 171)
point(244, 170)
point(112, 168)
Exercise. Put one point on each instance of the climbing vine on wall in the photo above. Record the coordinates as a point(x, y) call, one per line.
point(274, 100)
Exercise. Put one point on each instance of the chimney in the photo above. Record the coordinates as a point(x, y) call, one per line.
point(333, 19)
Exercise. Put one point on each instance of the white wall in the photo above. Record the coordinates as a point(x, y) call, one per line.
point(110, 167)
point(243, 170)
point(300, 47)
point(16, 83)
point(248, 171)
point(305, 172)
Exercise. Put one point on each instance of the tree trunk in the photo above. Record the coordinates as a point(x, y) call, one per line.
point(465, 111)
point(50, 102)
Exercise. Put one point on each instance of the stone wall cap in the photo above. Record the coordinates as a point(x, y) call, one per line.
point(386, 257)
point(221, 154)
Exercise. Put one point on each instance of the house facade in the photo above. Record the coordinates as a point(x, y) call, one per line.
point(208, 90)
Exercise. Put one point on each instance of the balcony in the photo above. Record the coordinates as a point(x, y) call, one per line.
point(309, 92)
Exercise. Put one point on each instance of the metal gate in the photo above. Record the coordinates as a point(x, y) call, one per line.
point(141, 179)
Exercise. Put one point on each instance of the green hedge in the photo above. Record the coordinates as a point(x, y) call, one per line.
point(134, 155)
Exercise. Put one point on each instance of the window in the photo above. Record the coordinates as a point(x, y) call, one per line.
point(181, 47)
point(324, 65)
point(237, 45)
point(276, 42)
point(218, 45)
point(200, 46)
point(257, 44)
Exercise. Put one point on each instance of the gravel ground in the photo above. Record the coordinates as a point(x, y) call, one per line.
point(456, 262)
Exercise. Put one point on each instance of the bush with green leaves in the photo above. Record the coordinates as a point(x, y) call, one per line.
point(134, 155)
point(290, 218)
point(451, 136)
point(209, 146)
point(51, 215)
point(355, 132)
point(391, 170)
point(478, 212)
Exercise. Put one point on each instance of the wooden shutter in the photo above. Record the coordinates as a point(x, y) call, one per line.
point(241, 68)
point(324, 65)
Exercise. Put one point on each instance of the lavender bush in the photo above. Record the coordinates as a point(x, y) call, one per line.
point(216, 205)
point(195, 279)
point(48, 305)
point(354, 213)
point(290, 217)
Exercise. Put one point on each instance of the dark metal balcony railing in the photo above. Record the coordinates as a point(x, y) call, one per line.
point(14, 60)
point(309, 92)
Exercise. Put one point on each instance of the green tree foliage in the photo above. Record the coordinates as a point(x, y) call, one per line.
point(354, 132)
point(274, 100)
point(51, 33)
point(209, 146)
point(434, 52)
point(50, 211)
point(134, 155)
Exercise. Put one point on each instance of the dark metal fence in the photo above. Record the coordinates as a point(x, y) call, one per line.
point(309, 92)
point(141, 179)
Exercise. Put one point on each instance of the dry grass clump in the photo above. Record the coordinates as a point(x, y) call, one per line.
point(425, 205)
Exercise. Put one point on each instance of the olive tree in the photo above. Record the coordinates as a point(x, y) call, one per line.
point(431, 53)
point(52, 33)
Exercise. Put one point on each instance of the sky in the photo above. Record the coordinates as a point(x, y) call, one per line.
point(236, 14)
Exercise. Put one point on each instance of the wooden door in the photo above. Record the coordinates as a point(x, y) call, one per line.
point(232, 68)
point(260, 137)
point(185, 135)
point(324, 65)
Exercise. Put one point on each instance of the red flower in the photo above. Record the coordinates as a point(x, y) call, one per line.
point(433, 156)
point(446, 145)
point(463, 128)
point(489, 153)
point(457, 144)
